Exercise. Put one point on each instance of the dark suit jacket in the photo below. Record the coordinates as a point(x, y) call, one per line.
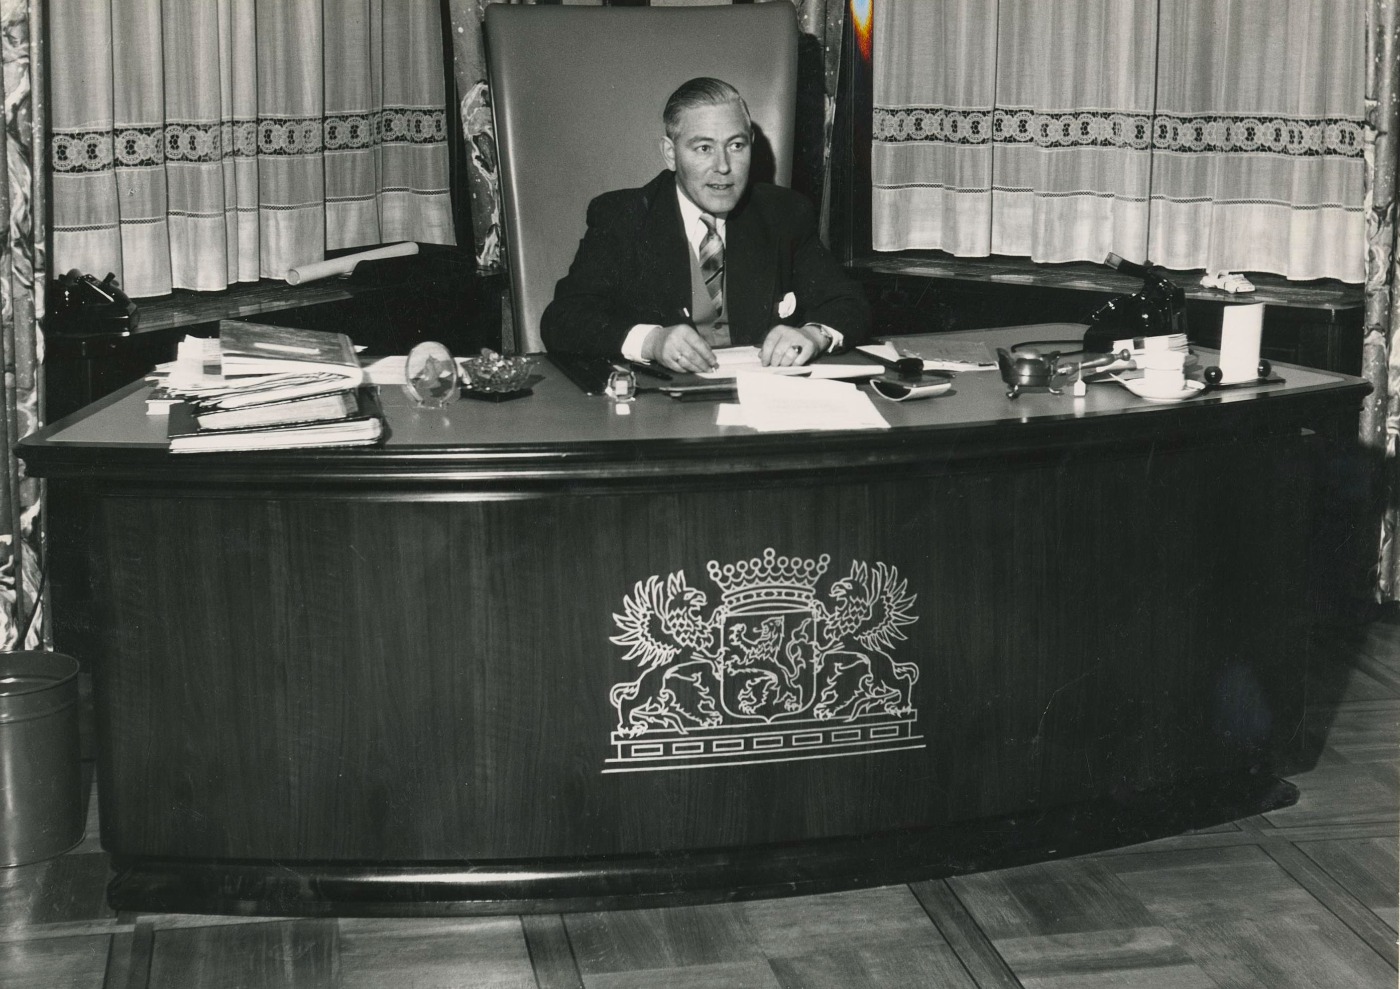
point(633, 266)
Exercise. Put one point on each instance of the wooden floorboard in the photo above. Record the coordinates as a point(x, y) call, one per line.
point(129, 958)
point(653, 940)
point(985, 967)
point(1303, 896)
point(1342, 902)
point(237, 956)
point(402, 953)
point(551, 955)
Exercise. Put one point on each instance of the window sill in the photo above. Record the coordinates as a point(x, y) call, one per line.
point(1089, 277)
point(185, 308)
point(182, 308)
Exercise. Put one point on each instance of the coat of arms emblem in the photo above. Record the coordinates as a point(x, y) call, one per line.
point(772, 671)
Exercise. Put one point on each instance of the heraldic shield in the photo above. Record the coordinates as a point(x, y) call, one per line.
point(768, 667)
point(772, 672)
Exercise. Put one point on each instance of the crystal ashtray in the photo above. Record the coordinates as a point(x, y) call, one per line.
point(496, 376)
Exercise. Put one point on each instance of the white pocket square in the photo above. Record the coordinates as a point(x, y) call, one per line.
point(788, 306)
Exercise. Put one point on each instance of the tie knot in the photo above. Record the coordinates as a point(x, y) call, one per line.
point(711, 223)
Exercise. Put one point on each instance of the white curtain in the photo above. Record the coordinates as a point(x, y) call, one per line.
point(931, 153)
point(1199, 133)
point(206, 142)
point(1258, 161)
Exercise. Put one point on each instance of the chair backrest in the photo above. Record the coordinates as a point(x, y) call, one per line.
point(578, 94)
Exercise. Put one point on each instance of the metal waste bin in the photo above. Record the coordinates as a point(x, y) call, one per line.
point(41, 798)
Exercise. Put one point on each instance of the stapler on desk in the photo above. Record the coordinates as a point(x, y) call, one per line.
point(80, 305)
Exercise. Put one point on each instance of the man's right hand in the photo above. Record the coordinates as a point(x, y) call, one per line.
point(679, 347)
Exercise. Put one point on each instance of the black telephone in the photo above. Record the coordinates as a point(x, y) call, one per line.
point(80, 305)
point(1157, 309)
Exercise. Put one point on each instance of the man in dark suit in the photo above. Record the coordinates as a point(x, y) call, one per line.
point(698, 259)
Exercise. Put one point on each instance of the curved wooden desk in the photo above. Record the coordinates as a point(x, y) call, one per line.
point(404, 679)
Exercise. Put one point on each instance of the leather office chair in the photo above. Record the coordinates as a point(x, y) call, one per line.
point(578, 94)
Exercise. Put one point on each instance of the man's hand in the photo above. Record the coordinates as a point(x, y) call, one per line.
point(789, 346)
point(679, 347)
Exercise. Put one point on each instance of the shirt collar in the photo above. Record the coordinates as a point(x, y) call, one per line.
point(690, 218)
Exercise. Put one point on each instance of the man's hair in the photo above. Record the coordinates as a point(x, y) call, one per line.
point(703, 91)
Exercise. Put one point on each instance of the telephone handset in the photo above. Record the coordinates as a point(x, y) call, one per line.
point(81, 305)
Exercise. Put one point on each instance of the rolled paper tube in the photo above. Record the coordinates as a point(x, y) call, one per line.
point(346, 263)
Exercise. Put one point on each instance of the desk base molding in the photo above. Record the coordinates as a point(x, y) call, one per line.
point(684, 878)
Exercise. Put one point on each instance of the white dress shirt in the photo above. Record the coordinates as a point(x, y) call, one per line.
point(695, 231)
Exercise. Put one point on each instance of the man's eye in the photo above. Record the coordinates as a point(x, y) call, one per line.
point(703, 149)
point(739, 145)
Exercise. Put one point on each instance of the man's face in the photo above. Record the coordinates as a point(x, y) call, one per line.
point(711, 153)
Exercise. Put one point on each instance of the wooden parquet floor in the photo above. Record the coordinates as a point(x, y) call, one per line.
point(1305, 896)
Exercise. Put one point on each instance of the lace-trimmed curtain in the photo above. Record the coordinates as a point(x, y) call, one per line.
point(1258, 161)
point(986, 142)
point(1200, 133)
point(206, 142)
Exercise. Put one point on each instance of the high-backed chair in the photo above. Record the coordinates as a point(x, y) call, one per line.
point(578, 94)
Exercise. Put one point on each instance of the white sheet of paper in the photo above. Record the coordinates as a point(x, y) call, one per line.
point(950, 354)
point(196, 364)
point(774, 403)
point(821, 372)
point(730, 414)
point(386, 370)
point(1241, 328)
point(973, 352)
point(744, 360)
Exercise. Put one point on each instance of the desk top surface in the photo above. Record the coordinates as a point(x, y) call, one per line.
point(559, 420)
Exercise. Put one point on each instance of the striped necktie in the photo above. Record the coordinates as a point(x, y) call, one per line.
point(712, 261)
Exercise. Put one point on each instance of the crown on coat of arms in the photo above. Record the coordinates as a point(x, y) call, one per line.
point(768, 579)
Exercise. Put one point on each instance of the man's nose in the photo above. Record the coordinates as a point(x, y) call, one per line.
point(722, 161)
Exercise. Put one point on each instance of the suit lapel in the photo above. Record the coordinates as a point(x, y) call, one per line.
point(749, 273)
point(664, 252)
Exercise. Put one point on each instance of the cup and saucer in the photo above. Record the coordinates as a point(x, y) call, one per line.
point(1179, 391)
point(1163, 378)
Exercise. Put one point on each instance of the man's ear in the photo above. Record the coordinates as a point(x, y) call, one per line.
point(668, 152)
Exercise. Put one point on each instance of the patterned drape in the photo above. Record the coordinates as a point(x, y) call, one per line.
point(206, 142)
point(478, 129)
point(21, 304)
point(820, 20)
point(1380, 418)
point(1196, 132)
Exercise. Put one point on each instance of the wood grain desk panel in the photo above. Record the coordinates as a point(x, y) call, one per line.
point(385, 680)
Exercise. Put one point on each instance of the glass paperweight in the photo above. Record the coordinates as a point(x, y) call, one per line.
point(430, 376)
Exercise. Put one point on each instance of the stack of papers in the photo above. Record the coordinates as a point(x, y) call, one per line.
point(261, 387)
point(255, 364)
point(940, 355)
point(772, 403)
point(1140, 345)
